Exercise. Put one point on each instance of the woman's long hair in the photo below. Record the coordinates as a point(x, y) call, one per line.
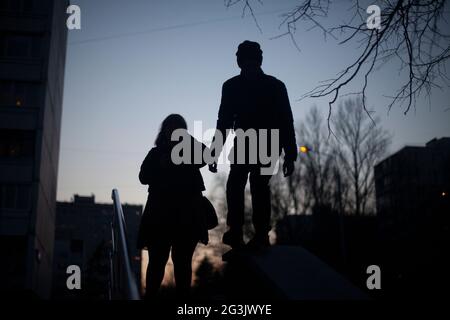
point(170, 123)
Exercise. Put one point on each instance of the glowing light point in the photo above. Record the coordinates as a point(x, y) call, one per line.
point(303, 149)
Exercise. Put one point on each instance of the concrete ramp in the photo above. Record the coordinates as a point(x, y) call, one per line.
point(286, 272)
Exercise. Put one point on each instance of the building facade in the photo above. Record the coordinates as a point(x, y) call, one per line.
point(413, 208)
point(83, 238)
point(413, 184)
point(33, 41)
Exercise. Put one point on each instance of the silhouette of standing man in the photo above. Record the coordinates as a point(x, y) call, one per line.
point(253, 100)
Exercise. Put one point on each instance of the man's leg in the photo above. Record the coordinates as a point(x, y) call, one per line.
point(237, 180)
point(260, 191)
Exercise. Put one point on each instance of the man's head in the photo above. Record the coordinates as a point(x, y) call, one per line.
point(249, 55)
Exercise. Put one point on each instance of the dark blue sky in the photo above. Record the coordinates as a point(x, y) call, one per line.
point(134, 62)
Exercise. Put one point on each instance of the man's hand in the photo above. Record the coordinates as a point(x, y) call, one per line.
point(213, 167)
point(288, 167)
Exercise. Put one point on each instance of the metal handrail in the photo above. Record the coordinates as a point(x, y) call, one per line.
point(121, 273)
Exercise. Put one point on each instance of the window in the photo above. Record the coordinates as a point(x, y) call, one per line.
point(16, 143)
point(2, 44)
point(15, 196)
point(9, 5)
point(4, 6)
point(9, 197)
point(20, 94)
point(23, 6)
point(20, 45)
point(35, 49)
point(28, 5)
point(23, 199)
point(76, 246)
point(26, 94)
point(6, 93)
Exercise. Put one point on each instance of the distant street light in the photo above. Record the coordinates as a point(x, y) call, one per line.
point(304, 149)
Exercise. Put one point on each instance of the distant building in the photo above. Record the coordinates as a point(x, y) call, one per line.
point(83, 238)
point(413, 208)
point(413, 184)
point(33, 41)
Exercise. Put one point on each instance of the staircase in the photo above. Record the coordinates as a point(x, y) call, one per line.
point(286, 272)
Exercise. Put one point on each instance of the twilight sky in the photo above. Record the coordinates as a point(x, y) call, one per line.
point(135, 61)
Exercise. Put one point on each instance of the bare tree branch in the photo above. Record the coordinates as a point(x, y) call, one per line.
point(413, 32)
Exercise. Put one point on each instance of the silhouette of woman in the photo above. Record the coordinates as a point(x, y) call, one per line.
point(171, 218)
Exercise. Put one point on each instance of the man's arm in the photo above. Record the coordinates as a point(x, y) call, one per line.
point(287, 131)
point(225, 121)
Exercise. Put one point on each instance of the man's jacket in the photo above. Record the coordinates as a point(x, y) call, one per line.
point(258, 101)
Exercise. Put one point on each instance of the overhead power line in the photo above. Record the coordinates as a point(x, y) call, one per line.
point(165, 28)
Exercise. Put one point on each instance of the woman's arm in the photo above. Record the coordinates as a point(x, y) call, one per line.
point(149, 168)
